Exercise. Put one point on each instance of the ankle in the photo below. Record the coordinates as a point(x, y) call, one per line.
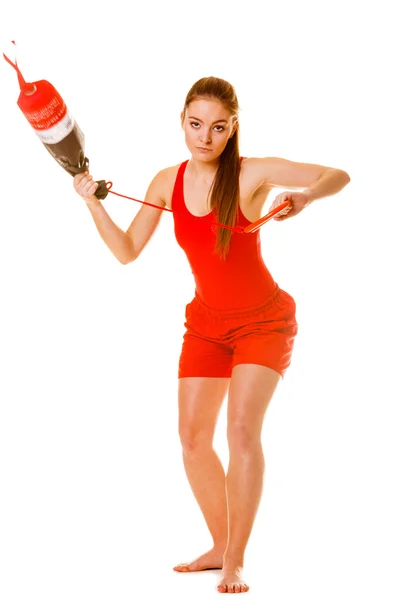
point(233, 558)
point(219, 548)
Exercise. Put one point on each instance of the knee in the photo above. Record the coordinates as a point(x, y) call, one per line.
point(242, 437)
point(193, 441)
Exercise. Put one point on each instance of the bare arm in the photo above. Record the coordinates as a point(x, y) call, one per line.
point(316, 180)
point(126, 246)
point(145, 222)
point(115, 238)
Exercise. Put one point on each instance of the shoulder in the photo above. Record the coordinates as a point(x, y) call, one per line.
point(172, 170)
point(252, 172)
point(168, 175)
point(169, 172)
point(253, 165)
point(165, 181)
point(164, 176)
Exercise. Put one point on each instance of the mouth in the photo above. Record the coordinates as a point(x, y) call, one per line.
point(204, 149)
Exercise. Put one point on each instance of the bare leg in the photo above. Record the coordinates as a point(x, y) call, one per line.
point(251, 390)
point(200, 400)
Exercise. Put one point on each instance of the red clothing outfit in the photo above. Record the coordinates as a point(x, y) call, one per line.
point(239, 314)
point(241, 280)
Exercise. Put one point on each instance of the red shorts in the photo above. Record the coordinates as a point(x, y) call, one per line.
point(217, 340)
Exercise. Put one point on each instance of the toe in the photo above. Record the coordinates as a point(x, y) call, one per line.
point(181, 567)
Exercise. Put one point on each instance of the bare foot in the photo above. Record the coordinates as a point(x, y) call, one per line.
point(232, 582)
point(210, 560)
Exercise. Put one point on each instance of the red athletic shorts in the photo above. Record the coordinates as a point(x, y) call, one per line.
point(217, 340)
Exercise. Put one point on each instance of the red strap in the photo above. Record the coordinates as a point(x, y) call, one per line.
point(109, 186)
point(25, 87)
point(238, 229)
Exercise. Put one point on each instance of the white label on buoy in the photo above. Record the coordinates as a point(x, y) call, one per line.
point(58, 132)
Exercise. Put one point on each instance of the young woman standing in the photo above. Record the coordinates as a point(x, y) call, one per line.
point(240, 326)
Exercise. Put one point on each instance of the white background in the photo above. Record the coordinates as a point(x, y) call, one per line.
point(94, 501)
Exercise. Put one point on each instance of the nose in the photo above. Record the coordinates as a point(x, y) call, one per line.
point(205, 136)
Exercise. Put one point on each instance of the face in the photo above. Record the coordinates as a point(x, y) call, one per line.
point(207, 124)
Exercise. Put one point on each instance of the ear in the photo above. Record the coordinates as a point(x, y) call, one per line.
point(234, 129)
point(182, 117)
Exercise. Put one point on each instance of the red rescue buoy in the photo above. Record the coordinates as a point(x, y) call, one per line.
point(56, 128)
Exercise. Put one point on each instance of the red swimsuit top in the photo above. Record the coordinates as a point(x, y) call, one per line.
point(242, 280)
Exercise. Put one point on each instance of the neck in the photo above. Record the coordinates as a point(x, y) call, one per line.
point(203, 170)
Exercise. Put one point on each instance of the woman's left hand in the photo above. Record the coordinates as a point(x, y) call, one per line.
point(298, 201)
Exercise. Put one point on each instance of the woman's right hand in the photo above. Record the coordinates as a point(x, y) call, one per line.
point(86, 187)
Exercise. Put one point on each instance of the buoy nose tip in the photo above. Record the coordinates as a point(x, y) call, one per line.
point(29, 89)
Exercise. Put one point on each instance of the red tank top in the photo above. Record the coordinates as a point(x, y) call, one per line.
point(241, 280)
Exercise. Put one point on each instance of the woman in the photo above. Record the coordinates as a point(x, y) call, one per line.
point(240, 326)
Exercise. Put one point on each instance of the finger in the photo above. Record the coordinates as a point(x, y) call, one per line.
point(284, 217)
point(80, 187)
point(90, 192)
point(88, 184)
point(77, 181)
point(80, 177)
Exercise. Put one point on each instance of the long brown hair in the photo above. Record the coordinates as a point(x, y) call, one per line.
point(225, 187)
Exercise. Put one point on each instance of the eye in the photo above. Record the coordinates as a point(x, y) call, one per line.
point(196, 123)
